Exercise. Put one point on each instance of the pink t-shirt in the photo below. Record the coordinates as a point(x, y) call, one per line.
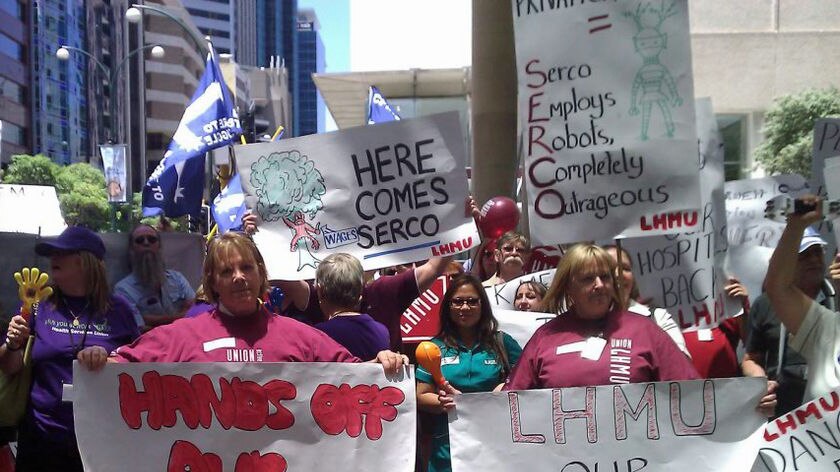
point(216, 337)
point(636, 350)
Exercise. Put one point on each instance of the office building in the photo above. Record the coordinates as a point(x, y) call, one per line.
point(15, 97)
point(309, 108)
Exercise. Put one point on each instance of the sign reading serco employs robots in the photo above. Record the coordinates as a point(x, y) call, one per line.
point(606, 107)
point(388, 194)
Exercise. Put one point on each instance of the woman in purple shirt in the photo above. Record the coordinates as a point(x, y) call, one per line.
point(81, 313)
point(339, 281)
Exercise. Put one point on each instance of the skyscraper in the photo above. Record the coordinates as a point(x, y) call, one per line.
point(309, 109)
point(216, 20)
point(59, 88)
point(14, 79)
point(277, 37)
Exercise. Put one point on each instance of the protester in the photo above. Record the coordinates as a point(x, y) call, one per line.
point(81, 313)
point(571, 350)
point(765, 355)
point(529, 296)
point(234, 278)
point(384, 299)
point(629, 293)
point(476, 357)
point(815, 328)
point(161, 295)
point(339, 280)
point(512, 253)
point(483, 264)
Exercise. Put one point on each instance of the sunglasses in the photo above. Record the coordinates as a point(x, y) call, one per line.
point(149, 239)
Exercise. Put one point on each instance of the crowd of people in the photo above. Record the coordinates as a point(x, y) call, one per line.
point(347, 315)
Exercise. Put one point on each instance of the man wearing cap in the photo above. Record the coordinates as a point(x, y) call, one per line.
point(161, 295)
point(798, 299)
point(768, 351)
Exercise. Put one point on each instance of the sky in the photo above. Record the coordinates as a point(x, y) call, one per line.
point(369, 35)
point(365, 35)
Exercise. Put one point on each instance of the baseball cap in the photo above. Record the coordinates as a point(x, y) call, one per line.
point(72, 239)
point(810, 238)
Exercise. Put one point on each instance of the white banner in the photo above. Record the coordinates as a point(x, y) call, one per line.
point(30, 209)
point(244, 417)
point(684, 272)
point(521, 325)
point(606, 108)
point(696, 426)
point(746, 200)
point(804, 439)
point(826, 145)
point(388, 194)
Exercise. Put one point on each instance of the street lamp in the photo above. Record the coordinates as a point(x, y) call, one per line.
point(110, 75)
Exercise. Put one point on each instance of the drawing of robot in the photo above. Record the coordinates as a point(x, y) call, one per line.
point(653, 84)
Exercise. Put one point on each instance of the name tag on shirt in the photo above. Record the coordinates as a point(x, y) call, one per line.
point(67, 393)
point(489, 361)
point(450, 360)
point(220, 343)
point(594, 348)
point(705, 335)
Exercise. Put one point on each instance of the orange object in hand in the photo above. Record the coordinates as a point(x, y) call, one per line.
point(428, 356)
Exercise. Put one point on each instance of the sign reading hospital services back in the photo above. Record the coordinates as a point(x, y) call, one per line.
point(388, 194)
point(606, 109)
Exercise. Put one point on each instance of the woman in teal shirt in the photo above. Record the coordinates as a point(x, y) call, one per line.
point(475, 357)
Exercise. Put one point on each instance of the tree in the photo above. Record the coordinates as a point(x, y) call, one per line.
point(82, 195)
point(31, 170)
point(789, 130)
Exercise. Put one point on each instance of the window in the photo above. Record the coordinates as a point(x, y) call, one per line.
point(13, 134)
point(12, 7)
point(732, 129)
point(12, 91)
point(11, 48)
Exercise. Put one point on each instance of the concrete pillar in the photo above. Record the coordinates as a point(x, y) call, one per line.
point(493, 100)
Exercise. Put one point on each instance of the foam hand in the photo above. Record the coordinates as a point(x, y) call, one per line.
point(32, 288)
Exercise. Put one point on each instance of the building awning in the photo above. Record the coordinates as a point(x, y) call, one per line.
point(346, 93)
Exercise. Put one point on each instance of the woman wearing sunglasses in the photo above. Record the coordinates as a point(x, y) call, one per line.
point(475, 357)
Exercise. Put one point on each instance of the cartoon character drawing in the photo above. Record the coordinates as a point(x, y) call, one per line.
point(289, 188)
point(302, 229)
point(653, 84)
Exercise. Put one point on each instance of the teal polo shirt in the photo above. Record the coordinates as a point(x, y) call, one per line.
point(468, 370)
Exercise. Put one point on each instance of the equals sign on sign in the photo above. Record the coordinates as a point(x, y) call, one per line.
point(598, 18)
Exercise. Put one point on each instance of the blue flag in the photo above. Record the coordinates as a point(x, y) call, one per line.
point(229, 206)
point(176, 186)
point(378, 109)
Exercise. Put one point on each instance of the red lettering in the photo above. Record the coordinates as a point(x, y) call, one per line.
point(644, 224)
point(345, 408)
point(223, 407)
point(132, 402)
point(532, 104)
point(533, 139)
point(690, 219)
point(186, 456)
point(703, 313)
point(803, 413)
point(178, 396)
point(835, 402)
point(254, 462)
point(251, 404)
point(277, 390)
point(538, 73)
point(674, 219)
point(786, 422)
point(660, 221)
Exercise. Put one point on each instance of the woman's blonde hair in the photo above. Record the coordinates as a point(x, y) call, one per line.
point(218, 253)
point(575, 260)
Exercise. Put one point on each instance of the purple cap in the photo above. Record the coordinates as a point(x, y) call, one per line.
point(73, 239)
point(810, 238)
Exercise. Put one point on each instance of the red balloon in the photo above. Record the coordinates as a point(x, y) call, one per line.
point(498, 216)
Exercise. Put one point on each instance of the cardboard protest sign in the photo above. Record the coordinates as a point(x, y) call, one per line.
point(607, 115)
point(387, 194)
point(244, 417)
point(749, 265)
point(683, 273)
point(746, 201)
point(703, 425)
point(521, 325)
point(30, 209)
point(804, 439)
point(503, 295)
point(826, 145)
point(421, 320)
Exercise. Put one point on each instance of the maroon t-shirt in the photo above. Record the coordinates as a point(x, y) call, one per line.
point(636, 350)
point(216, 337)
point(716, 358)
point(384, 299)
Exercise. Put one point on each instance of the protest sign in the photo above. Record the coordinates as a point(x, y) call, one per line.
point(749, 264)
point(804, 439)
point(521, 325)
point(503, 295)
point(746, 200)
point(30, 209)
point(703, 425)
point(244, 417)
point(388, 194)
point(607, 115)
point(826, 145)
point(421, 320)
point(683, 273)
